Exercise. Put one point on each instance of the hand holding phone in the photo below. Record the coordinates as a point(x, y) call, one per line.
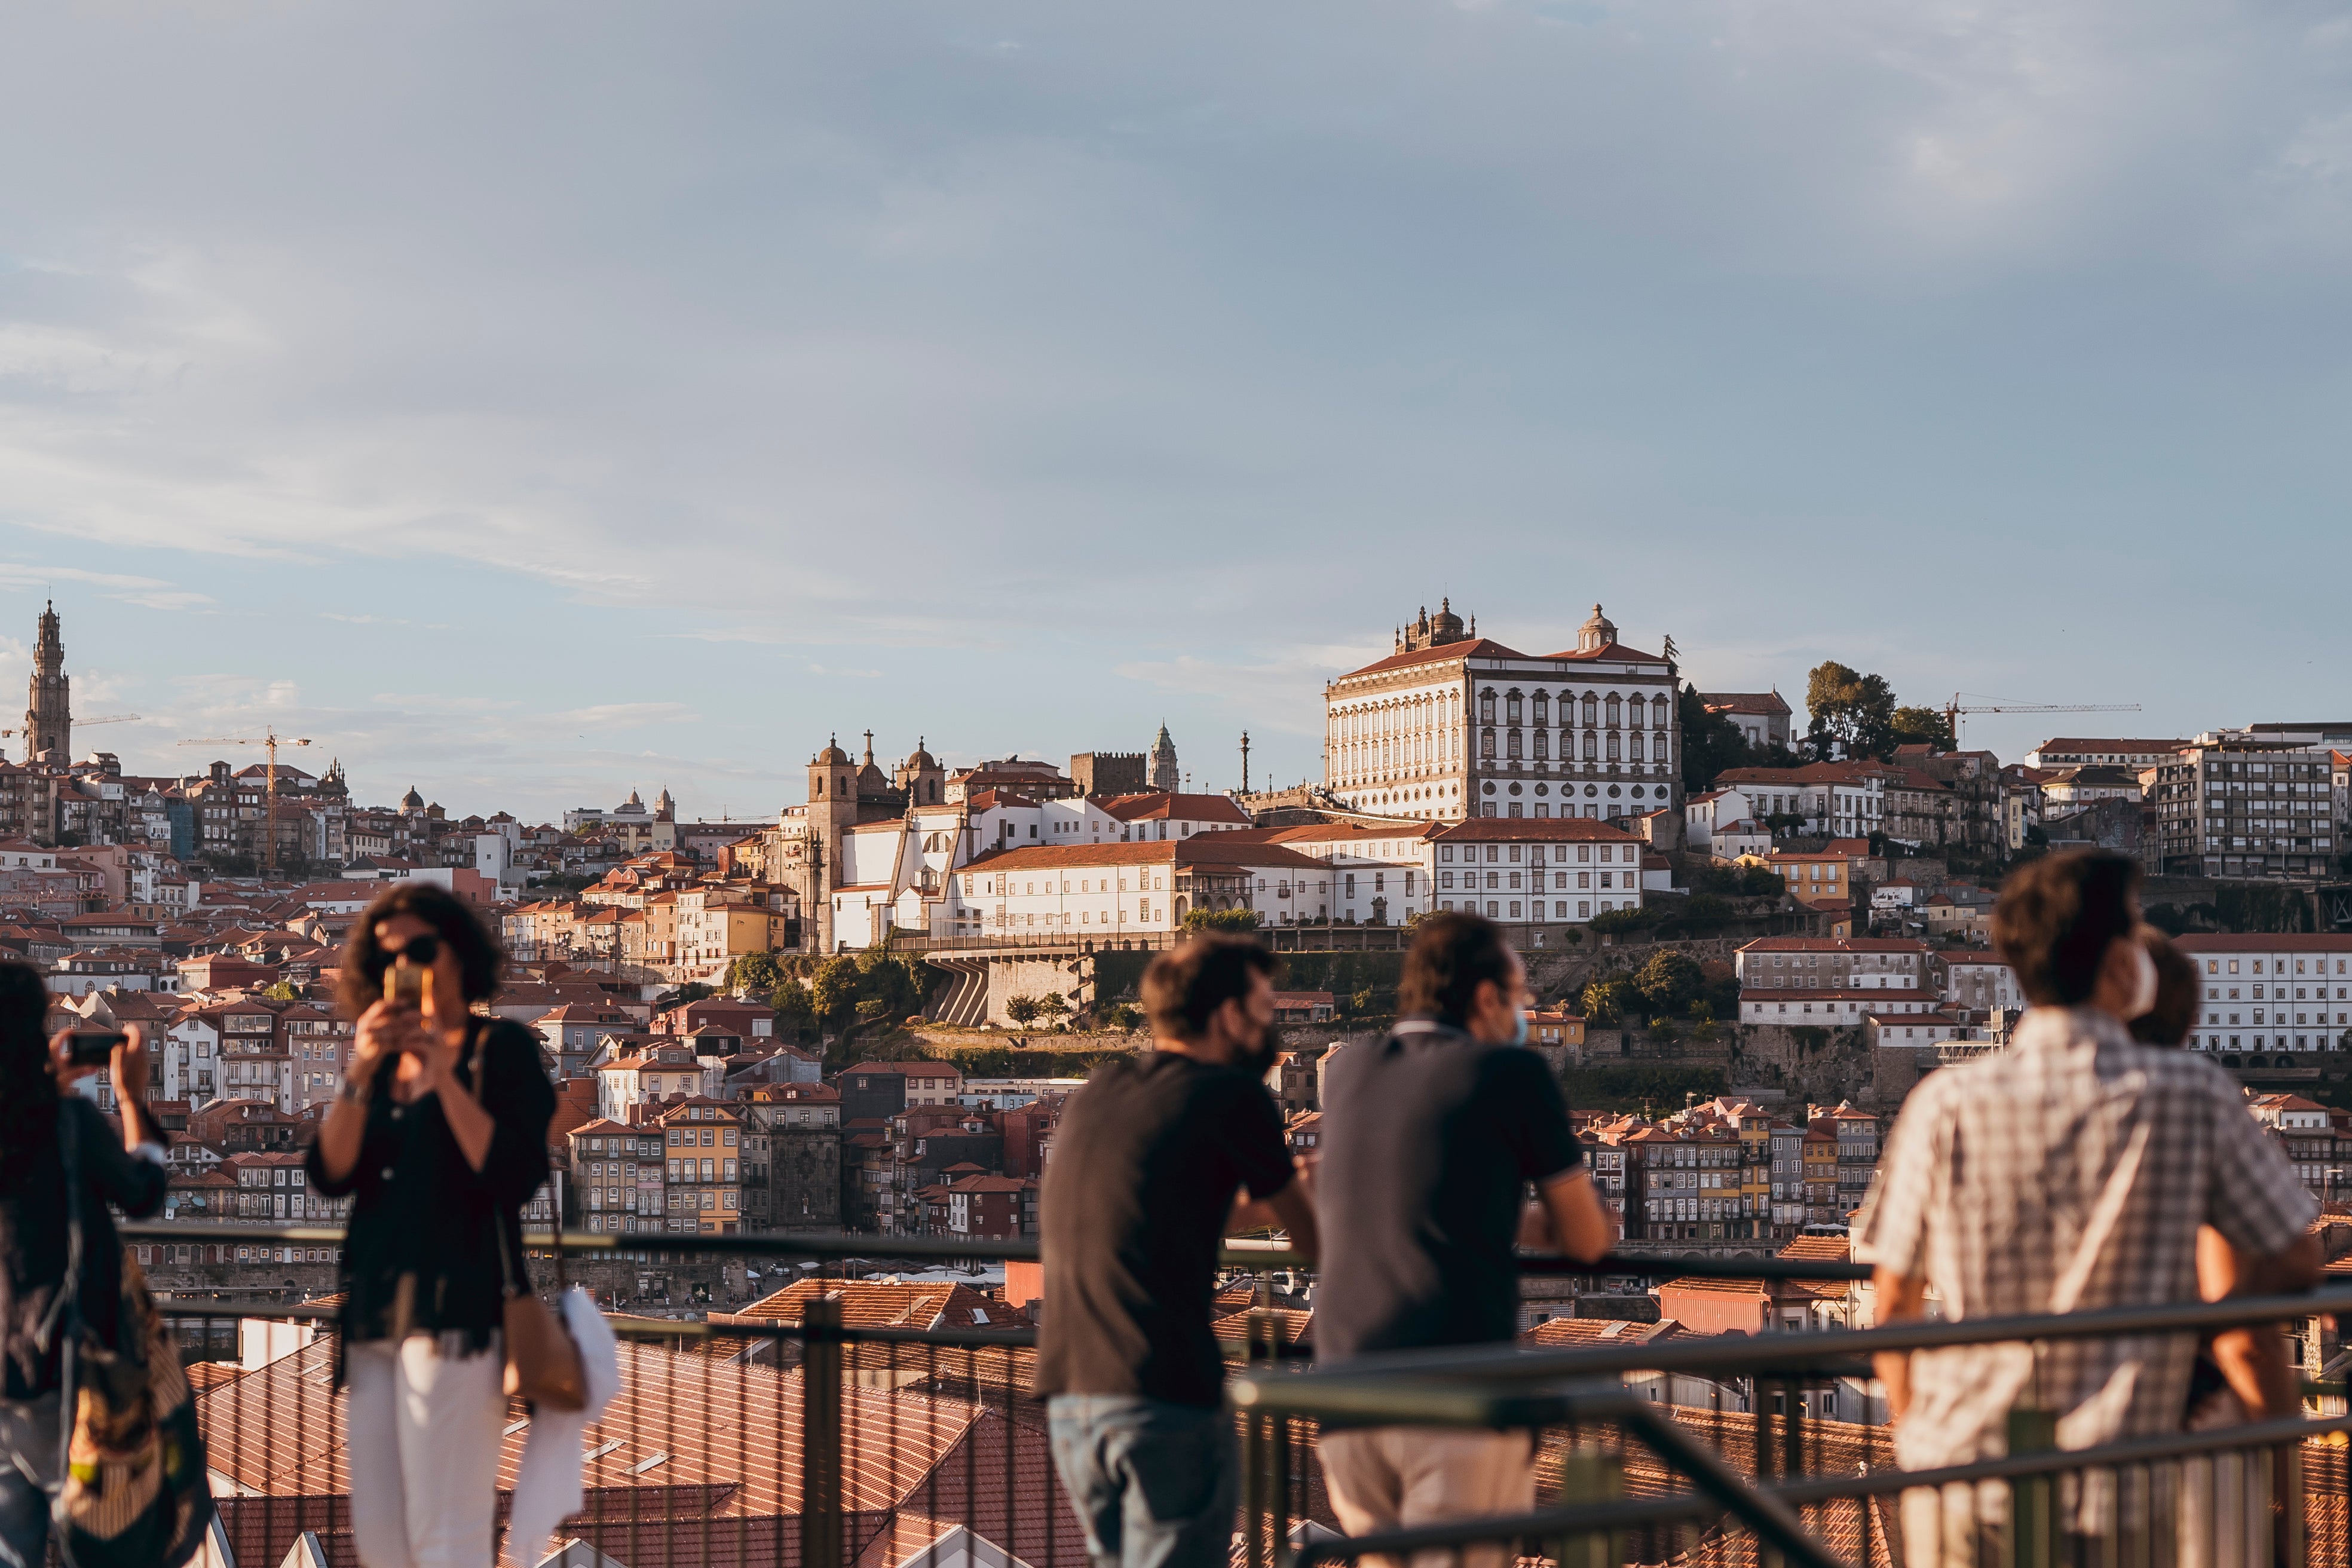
point(93, 1048)
point(403, 985)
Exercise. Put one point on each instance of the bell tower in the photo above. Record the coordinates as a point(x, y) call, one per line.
point(48, 708)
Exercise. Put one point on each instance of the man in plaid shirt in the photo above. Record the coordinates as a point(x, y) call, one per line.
point(2069, 1172)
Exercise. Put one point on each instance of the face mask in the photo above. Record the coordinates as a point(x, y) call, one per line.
point(1519, 1027)
point(2143, 1000)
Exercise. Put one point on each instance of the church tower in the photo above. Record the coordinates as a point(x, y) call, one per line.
point(49, 713)
point(1164, 773)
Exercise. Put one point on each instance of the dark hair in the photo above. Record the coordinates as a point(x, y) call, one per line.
point(2175, 1013)
point(1184, 986)
point(1453, 952)
point(2056, 917)
point(365, 960)
point(28, 1092)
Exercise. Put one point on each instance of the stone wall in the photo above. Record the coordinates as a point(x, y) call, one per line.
point(1071, 975)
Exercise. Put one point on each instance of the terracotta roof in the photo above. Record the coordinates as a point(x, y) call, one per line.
point(1166, 806)
point(1610, 653)
point(876, 1304)
point(1469, 648)
point(1833, 944)
point(2274, 942)
point(1744, 702)
point(1201, 849)
point(1563, 1332)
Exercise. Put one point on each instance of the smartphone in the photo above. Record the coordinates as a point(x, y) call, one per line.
point(403, 985)
point(94, 1047)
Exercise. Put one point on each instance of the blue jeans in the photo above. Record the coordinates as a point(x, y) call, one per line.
point(1155, 1484)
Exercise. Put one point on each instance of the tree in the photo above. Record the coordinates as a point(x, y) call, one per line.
point(1711, 742)
point(1023, 1010)
point(1608, 1001)
point(755, 973)
point(1924, 727)
point(1123, 1018)
point(283, 992)
point(1221, 920)
point(795, 1009)
point(1853, 709)
point(1669, 981)
point(1053, 1005)
point(835, 992)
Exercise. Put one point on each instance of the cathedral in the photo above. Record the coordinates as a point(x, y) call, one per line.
point(48, 708)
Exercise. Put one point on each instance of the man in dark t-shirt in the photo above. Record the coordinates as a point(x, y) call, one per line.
point(1429, 1139)
point(1140, 1191)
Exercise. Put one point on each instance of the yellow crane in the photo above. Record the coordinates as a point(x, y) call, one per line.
point(1955, 708)
point(269, 740)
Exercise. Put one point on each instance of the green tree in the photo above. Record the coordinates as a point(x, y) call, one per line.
point(1610, 1000)
point(1123, 1018)
point(1024, 1010)
point(1711, 742)
point(754, 973)
point(1053, 1005)
point(835, 992)
point(1924, 727)
point(1669, 981)
point(1856, 711)
point(795, 1009)
point(1221, 920)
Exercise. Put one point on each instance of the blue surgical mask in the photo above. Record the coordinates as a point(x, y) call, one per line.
point(1519, 1027)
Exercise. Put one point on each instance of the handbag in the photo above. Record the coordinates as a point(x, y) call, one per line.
point(136, 1491)
point(543, 1362)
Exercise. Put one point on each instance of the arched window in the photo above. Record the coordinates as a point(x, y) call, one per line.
point(1592, 710)
point(1486, 708)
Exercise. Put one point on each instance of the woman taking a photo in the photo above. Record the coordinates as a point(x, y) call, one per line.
point(39, 1116)
point(439, 1135)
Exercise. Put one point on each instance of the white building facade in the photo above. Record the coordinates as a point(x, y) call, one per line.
point(1453, 726)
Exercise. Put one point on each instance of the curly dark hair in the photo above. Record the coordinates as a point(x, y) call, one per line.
point(28, 1093)
point(365, 960)
point(1452, 952)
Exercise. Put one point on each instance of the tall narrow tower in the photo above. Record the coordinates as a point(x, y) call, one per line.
point(1165, 775)
point(48, 713)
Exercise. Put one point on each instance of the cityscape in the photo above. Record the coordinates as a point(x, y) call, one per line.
point(1514, 783)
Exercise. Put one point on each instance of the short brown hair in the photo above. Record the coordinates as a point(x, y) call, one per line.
point(364, 959)
point(2056, 917)
point(2175, 1013)
point(1184, 986)
point(1450, 955)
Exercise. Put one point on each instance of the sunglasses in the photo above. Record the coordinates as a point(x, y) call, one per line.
point(419, 950)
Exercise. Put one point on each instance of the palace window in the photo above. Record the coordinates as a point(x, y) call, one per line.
point(1511, 704)
point(1486, 708)
point(1486, 743)
point(1511, 743)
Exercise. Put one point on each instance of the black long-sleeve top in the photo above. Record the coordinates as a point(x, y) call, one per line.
point(421, 1209)
point(33, 1242)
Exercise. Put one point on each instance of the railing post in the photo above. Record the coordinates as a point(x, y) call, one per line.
point(2032, 1499)
point(1590, 1475)
point(821, 1435)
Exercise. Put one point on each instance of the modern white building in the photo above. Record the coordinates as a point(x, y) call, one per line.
point(2269, 992)
point(1452, 725)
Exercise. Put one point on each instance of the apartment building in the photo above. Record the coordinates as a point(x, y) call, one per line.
point(2252, 802)
point(2289, 994)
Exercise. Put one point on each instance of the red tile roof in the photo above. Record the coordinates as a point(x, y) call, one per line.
point(1469, 648)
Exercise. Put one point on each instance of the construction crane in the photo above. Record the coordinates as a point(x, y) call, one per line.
point(86, 723)
point(1954, 709)
point(269, 740)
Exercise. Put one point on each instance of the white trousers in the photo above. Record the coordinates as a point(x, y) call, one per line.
point(422, 1431)
point(1395, 1478)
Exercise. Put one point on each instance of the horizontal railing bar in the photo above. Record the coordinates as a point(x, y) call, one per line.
point(1304, 1394)
point(1626, 1514)
point(1239, 1252)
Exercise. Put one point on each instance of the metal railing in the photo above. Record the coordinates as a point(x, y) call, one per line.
point(843, 1431)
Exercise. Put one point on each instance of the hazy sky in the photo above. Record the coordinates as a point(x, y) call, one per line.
point(535, 400)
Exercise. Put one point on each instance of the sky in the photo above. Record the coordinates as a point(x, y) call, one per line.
point(534, 402)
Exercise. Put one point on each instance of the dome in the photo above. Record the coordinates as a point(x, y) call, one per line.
point(920, 760)
point(412, 801)
point(1597, 633)
point(832, 755)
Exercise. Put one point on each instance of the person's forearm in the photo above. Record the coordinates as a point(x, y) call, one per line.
point(1894, 1371)
point(340, 1137)
point(2253, 1361)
